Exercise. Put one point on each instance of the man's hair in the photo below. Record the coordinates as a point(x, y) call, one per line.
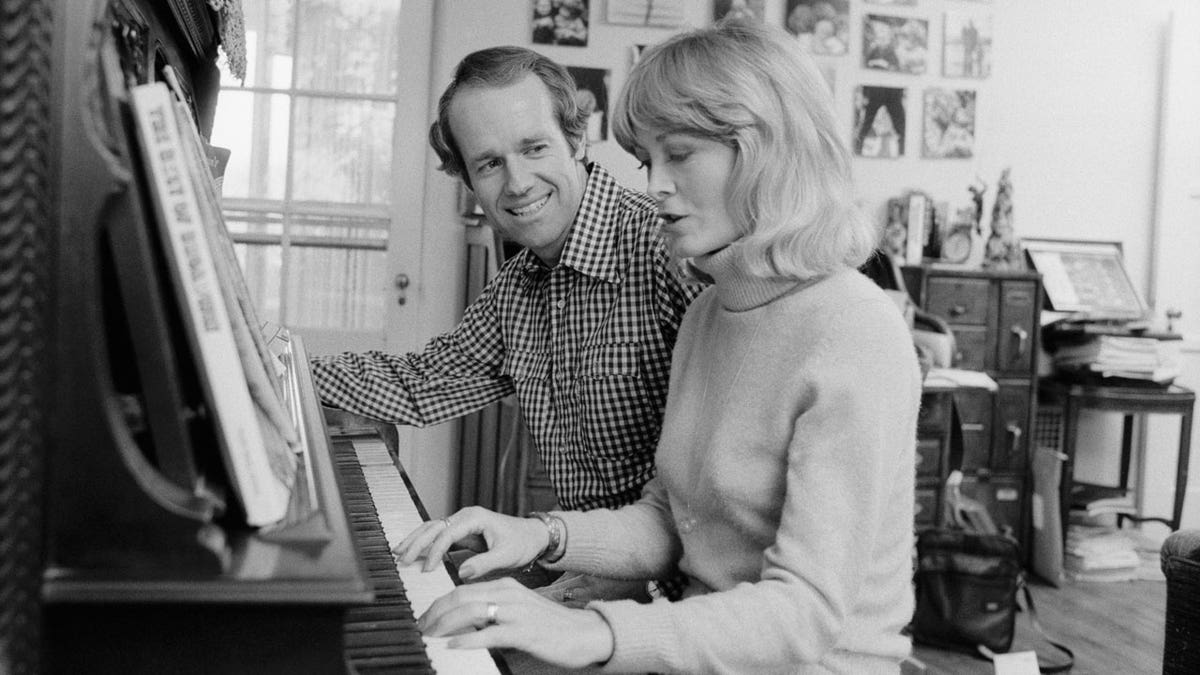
point(746, 86)
point(500, 67)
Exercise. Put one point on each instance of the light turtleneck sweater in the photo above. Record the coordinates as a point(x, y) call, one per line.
point(784, 487)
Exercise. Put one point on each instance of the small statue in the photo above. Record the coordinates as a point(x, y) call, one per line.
point(977, 191)
point(1002, 250)
point(895, 232)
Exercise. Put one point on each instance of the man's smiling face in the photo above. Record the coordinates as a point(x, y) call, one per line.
point(525, 175)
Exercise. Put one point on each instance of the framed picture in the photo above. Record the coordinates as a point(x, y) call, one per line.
point(895, 43)
point(967, 46)
point(879, 121)
point(821, 26)
point(592, 95)
point(662, 13)
point(1086, 278)
point(742, 10)
point(560, 22)
point(949, 124)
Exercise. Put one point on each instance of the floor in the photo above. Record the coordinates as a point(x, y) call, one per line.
point(1112, 628)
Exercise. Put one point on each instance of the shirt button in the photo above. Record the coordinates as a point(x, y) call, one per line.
point(560, 304)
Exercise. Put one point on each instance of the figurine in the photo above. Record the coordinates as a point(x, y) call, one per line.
point(1002, 251)
point(895, 233)
point(977, 191)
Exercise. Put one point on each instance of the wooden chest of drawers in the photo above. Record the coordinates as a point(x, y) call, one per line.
point(995, 317)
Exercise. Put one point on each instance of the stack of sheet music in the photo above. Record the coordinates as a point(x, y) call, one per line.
point(1133, 358)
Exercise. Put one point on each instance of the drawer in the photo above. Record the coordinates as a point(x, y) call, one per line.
point(975, 418)
point(1002, 497)
point(934, 416)
point(929, 456)
point(925, 513)
point(963, 301)
point(1010, 436)
point(971, 348)
point(1016, 326)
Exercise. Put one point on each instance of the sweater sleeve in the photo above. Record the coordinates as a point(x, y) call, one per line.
point(637, 541)
point(843, 540)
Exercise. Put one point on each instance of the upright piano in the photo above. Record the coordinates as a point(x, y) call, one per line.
point(123, 548)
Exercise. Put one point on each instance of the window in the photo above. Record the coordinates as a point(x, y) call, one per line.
point(307, 191)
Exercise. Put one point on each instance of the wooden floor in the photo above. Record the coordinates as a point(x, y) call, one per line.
point(1112, 628)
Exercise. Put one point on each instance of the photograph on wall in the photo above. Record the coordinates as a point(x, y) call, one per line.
point(949, 124)
point(879, 121)
point(662, 13)
point(592, 95)
point(742, 10)
point(967, 46)
point(895, 43)
point(821, 26)
point(560, 22)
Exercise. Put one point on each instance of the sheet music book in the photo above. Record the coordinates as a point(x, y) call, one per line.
point(260, 476)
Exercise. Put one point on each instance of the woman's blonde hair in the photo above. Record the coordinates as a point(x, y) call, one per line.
point(750, 87)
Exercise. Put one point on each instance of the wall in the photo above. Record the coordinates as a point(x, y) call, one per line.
point(1072, 106)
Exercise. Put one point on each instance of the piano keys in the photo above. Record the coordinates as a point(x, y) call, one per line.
point(379, 642)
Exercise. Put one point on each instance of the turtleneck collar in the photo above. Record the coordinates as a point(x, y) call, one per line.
point(737, 289)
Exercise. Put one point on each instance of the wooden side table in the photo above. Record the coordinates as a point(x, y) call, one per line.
point(1131, 401)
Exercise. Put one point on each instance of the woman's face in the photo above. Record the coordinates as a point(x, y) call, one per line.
point(689, 177)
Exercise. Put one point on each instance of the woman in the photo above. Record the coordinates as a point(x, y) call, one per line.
point(785, 466)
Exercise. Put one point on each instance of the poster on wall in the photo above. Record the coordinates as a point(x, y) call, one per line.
point(560, 22)
point(949, 124)
point(895, 43)
point(821, 26)
point(967, 46)
point(741, 10)
point(662, 13)
point(592, 96)
point(879, 121)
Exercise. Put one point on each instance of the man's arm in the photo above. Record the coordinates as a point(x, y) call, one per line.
point(456, 373)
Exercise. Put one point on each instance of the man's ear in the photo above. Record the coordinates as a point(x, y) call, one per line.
point(581, 147)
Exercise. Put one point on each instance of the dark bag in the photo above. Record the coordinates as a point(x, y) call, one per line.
point(966, 586)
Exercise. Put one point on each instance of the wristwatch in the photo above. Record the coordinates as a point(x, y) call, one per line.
point(557, 545)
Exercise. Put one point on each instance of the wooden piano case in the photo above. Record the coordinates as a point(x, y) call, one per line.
point(142, 563)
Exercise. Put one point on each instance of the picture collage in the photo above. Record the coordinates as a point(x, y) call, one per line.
point(912, 62)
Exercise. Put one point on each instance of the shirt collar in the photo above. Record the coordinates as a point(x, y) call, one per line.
point(591, 245)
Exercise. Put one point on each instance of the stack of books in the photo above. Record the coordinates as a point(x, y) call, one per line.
point(1090, 501)
point(1139, 359)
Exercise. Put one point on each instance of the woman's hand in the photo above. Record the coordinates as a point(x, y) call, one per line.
point(511, 542)
point(508, 615)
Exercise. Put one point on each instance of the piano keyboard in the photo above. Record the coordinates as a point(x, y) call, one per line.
point(383, 637)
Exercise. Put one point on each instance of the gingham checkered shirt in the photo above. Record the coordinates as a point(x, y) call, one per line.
point(586, 346)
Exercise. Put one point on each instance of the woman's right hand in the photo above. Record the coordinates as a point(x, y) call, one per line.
point(511, 542)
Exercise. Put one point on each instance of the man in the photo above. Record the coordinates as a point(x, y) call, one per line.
point(580, 324)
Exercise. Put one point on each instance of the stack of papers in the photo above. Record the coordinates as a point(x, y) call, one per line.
point(1137, 358)
point(1099, 553)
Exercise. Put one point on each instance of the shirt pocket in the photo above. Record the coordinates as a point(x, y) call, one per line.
point(619, 416)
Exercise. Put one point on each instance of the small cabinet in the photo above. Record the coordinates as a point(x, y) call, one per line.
point(994, 316)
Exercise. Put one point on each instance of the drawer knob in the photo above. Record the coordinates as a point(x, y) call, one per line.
point(1022, 336)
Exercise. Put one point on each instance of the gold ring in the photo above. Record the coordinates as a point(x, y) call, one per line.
point(492, 610)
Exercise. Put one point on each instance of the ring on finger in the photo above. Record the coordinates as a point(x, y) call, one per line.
point(492, 610)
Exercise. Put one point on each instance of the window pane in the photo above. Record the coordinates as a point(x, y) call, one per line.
point(336, 288)
point(351, 231)
point(268, 45)
point(261, 269)
point(258, 150)
point(348, 46)
point(253, 223)
point(343, 151)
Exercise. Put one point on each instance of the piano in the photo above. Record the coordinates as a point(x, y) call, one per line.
point(123, 546)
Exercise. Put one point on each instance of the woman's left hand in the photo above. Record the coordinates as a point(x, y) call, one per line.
point(508, 615)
